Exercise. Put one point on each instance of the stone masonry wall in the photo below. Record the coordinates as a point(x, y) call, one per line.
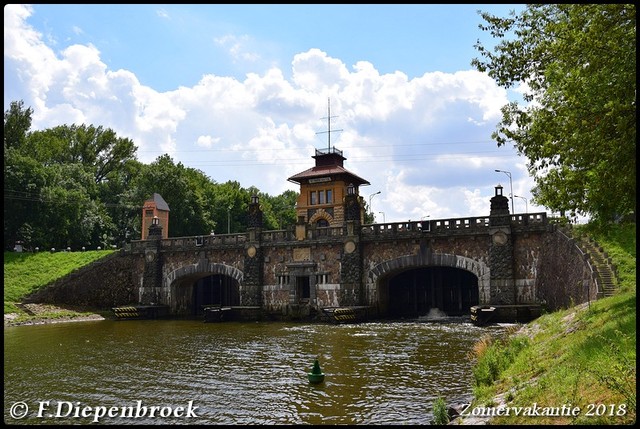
point(109, 282)
point(564, 276)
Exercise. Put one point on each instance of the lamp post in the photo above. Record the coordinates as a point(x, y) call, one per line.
point(371, 196)
point(508, 173)
point(526, 204)
point(384, 219)
point(229, 219)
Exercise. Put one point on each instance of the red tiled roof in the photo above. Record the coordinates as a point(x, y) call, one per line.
point(328, 170)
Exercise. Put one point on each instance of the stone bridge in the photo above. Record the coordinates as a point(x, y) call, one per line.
point(396, 270)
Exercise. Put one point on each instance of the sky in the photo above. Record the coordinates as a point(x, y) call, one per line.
point(248, 92)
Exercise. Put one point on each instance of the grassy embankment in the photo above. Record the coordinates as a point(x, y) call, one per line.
point(25, 273)
point(584, 356)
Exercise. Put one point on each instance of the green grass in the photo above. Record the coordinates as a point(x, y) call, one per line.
point(584, 356)
point(25, 273)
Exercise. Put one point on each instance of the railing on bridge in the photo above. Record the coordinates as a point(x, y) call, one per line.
point(529, 218)
point(470, 224)
point(426, 226)
point(312, 233)
point(183, 243)
point(447, 225)
point(278, 235)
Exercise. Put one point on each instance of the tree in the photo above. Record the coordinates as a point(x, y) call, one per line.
point(69, 214)
point(17, 122)
point(58, 184)
point(230, 206)
point(23, 178)
point(279, 211)
point(122, 201)
point(97, 148)
point(578, 129)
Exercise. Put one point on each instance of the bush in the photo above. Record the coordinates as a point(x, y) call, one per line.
point(440, 415)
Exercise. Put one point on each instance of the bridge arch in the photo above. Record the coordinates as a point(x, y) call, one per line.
point(199, 270)
point(191, 286)
point(460, 269)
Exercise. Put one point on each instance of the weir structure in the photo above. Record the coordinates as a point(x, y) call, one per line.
point(330, 265)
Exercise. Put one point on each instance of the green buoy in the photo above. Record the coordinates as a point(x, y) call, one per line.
point(316, 375)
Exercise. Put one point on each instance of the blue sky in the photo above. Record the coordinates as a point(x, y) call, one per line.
point(187, 41)
point(240, 92)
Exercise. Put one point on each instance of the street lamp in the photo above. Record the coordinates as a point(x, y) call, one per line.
point(384, 219)
point(229, 219)
point(510, 185)
point(371, 196)
point(526, 204)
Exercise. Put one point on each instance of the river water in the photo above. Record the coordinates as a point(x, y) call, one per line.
point(190, 372)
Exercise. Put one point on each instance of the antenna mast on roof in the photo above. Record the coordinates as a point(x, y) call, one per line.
point(328, 124)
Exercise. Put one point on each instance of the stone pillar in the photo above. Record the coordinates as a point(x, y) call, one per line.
point(502, 290)
point(152, 280)
point(251, 289)
point(301, 229)
point(351, 287)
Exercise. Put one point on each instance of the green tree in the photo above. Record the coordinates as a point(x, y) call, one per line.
point(97, 148)
point(24, 179)
point(230, 207)
point(122, 201)
point(17, 123)
point(69, 215)
point(279, 211)
point(577, 127)
point(57, 183)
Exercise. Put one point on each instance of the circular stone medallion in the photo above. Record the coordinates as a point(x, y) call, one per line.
point(349, 246)
point(500, 238)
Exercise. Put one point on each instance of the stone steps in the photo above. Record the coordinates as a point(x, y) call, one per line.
point(604, 269)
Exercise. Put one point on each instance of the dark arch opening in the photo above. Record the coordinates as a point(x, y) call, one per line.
point(214, 290)
point(415, 292)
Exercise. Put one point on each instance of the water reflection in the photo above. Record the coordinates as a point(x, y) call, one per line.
point(239, 373)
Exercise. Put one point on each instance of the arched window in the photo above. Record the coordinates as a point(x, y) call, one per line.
point(322, 223)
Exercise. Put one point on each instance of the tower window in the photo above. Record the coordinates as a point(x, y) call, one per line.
point(321, 197)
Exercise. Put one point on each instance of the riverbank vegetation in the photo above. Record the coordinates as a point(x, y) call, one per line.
point(583, 356)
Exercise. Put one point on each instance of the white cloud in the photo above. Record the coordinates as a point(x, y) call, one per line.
point(207, 141)
point(424, 143)
point(237, 47)
point(162, 13)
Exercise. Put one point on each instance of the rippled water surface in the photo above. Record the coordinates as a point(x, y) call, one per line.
point(234, 373)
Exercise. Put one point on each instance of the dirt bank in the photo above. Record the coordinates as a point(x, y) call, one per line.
point(38, 314)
